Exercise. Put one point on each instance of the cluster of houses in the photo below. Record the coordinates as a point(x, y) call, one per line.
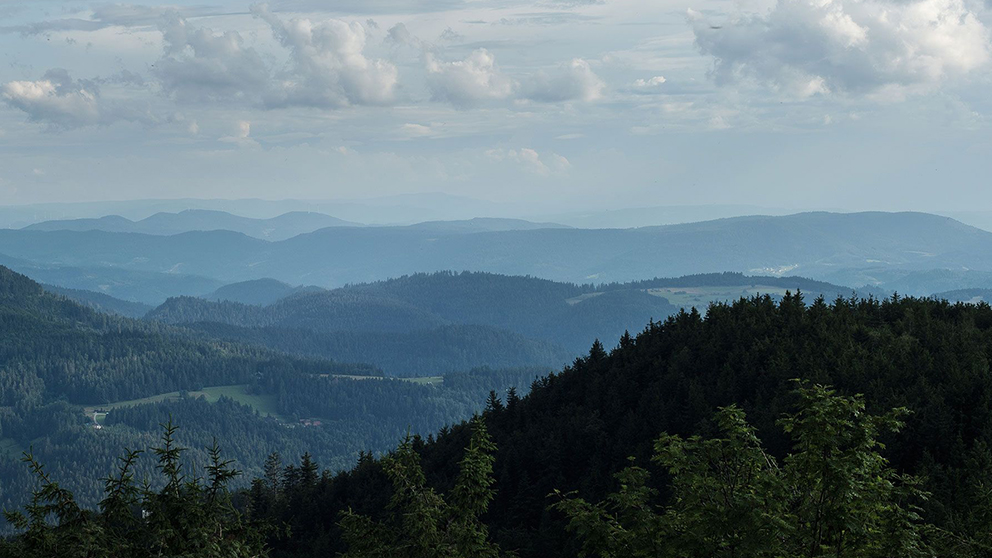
point(309, 422)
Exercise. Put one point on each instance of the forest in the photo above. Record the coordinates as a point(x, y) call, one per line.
point(579, 428)
point(859, 427)
point(59, 357)
point(448, 321)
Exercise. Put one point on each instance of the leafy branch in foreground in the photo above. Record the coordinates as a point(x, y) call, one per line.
point(834, 495)
point(422, 523)
point(189, 516)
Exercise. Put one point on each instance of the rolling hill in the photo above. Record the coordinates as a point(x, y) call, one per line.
point(851, 249)
point(578, 428)
point(59, 358)
point(102, 302)
point(282, 227)
point(369, 322)
point(260, 292)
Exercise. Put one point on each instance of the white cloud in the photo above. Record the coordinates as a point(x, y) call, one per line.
point(531, 161)
point(474, 80)
point(241, 135)
point(572, 81)
point(329, 67)
point(650, 82)
point(416, 130)
point(63, 102)
point(810, 47)
point(199, 64)
point(477, 79)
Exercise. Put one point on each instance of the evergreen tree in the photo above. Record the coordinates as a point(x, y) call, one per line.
point(835, 495)
point(422, 523)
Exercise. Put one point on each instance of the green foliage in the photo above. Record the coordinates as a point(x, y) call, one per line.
point(577, 428)
point(421, 522)
point(189, 516)
point(834, 495)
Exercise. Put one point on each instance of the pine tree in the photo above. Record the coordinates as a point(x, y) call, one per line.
point(834, 497)
point(422, 523)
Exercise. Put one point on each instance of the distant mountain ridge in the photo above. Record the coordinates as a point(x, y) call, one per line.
point(485, 224)
point(281, 227)
point(855, 249)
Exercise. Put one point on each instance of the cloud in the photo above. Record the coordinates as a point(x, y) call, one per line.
point(531, 161)
point(329, 68)
point(810, 47)
point(241, 135)
point(107, 15)
point(200, 65)
point(450, 35)
point(474, 80)
point(477, 79)
point(650, 82)
point(416, 130)
point(572, 81)
point(400, 35)
point(64, 103)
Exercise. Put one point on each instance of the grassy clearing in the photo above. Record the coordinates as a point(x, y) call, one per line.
point(701, 297)
point(264, 404)
point(424, 380)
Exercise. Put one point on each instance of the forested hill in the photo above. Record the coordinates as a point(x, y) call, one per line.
point(78, 386)
point(441, 321)
point(566, 315)
point(578, 427)
point(102, 302)
point(259, 292)
point(54, 348)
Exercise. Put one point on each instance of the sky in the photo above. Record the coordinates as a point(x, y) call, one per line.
point(564, 104)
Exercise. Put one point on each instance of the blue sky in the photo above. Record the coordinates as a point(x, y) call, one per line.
point(572, 104)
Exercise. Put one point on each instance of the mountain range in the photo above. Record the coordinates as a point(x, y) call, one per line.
point(282, 227)
point(848, 249)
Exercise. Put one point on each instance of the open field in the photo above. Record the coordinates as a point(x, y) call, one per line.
point(425, 380)
point(264, 404)
point(701, 297)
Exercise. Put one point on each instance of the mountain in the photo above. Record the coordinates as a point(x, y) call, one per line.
point(848, 249)
point(143, 287)
point(416, 353)
point(102, 357)
point(66, 369)
point(259, 292)
point(101, 302)
point(483, 224)
point(401, 209)
point(281, 227)
point(659, 215)
point(579, 427)
point(446, 321)
point(533, 308)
